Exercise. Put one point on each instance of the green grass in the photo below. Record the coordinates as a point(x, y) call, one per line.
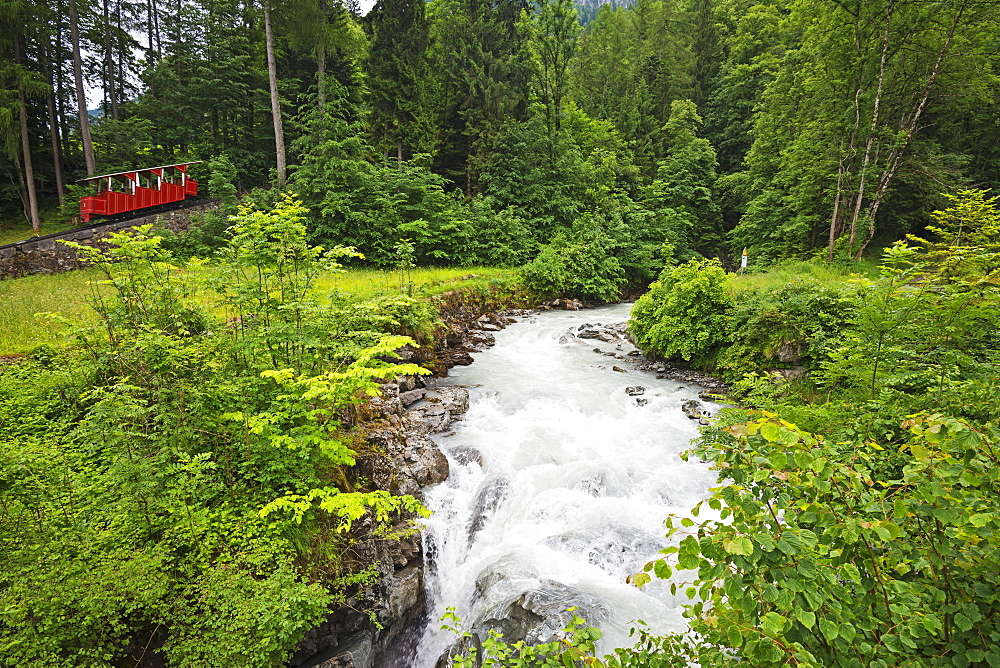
point(20, 229)
point(364, 284)
point(786, 272)
point(22, 300)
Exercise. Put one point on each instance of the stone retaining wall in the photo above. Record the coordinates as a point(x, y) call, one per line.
point(47, 256)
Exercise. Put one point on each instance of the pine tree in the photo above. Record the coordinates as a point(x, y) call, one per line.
point(397, 76)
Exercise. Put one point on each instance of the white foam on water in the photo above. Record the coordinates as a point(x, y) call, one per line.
point(581, 475)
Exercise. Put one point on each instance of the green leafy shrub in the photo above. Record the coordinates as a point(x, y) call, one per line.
point(179, 480)
point(797, 321)
point(684, 314)
point(812, 561)
point(579, 264)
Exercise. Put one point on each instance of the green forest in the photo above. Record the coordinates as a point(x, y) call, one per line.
point(179, 471)
point(487, 132)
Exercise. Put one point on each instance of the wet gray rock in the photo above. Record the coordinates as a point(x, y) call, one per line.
point(488, 500)
point(461, 359)
point(539, 614)
point(409, 546)
point(641, 402)
point(464, 455)
point(412, 396)
point(453, 399)
point(406, 596)
point(635, 390)
point(442, 405)
point(788, 353)
point(693, 409)
point(618, 369)
point(356, 652)
point(787, 375)
point(423, 462)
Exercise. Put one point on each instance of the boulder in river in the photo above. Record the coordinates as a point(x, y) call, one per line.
point(539, 614)
point(489, 498)
point(635, 390)
point(464, 455)
point(693, 409)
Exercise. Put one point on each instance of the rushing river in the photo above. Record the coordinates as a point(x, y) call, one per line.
point(560, 482)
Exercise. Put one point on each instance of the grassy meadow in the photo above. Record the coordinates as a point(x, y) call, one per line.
point(25, 302)
point(790, 271)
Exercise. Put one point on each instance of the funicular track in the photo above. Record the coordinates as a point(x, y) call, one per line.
point(105, 221)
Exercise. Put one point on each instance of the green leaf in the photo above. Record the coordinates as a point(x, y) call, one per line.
point(981, 519)
point(828, 629)
point(738, 545)
point(639, 580)
point(770, 431)
point(805, 617)
point(962, 621)
point(662, 569)
point(772, 623)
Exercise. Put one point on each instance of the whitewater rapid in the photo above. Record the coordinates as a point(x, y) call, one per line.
point(560, 482)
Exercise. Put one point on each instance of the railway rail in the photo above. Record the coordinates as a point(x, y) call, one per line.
point(112, 220)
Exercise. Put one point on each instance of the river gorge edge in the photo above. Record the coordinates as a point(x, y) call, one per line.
point(398, 455)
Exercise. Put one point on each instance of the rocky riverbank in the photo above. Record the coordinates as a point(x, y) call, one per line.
point(399, 455)
point(380, 627)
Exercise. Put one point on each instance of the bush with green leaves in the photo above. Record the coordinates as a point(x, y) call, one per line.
point(918, 331)
point(798, 321)
point(574, 646)
point(809, 559)
point(179, 481)
point(685, 313)
point(580, 264)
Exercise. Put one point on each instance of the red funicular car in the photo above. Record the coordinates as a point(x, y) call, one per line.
point(137, 189)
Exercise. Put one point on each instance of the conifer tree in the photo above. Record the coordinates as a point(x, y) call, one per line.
point(397, 71)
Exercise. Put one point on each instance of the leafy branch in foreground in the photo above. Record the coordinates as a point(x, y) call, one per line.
point(574, 648)
point(811, 561)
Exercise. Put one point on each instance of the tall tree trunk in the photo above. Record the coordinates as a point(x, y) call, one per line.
point(121, 52)
point(29, 171)
point(81, 96)
point(873, 128)
point(57, 70)
point(149, 30)
point(53, 124)
point(908, 128)
point(156, 30)
point(272, 77)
